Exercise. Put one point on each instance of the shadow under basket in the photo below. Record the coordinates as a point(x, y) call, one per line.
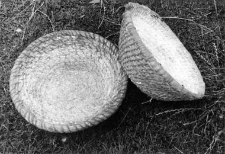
point(155, 59)
point(67, 81)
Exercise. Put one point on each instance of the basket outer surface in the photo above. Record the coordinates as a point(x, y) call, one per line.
point(67, 81)
point(141, 66)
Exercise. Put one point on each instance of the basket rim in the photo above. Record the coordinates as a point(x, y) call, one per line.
point(135, 8)
point(106, 110)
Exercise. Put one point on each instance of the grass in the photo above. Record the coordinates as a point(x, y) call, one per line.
point(140, 125)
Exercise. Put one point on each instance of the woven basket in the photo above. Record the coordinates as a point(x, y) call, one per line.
point(67, 81)
point(155, 59)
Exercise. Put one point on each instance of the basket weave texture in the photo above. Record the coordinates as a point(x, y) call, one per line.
point(67, 81)
point(142, 57)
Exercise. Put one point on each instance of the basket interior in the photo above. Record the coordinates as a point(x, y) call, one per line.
point(168, 51)
point(68, 82)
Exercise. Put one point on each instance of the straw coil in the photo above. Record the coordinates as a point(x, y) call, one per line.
point(67, 81)
point(155, 59)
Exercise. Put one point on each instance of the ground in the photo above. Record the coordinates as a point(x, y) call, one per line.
point(139, 126)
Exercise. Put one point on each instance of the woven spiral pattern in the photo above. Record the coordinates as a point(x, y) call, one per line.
point(67, 81)
point(155, 59)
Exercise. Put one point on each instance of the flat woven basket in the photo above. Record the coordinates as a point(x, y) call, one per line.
point(155, 59)
point(67, 81)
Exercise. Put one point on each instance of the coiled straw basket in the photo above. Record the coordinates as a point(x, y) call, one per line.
point(67, 81)
point(155, 59)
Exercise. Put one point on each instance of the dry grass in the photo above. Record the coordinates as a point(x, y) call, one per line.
point(140, 125)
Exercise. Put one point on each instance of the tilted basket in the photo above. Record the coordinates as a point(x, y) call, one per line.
point(67, 81)
point(155, 59)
